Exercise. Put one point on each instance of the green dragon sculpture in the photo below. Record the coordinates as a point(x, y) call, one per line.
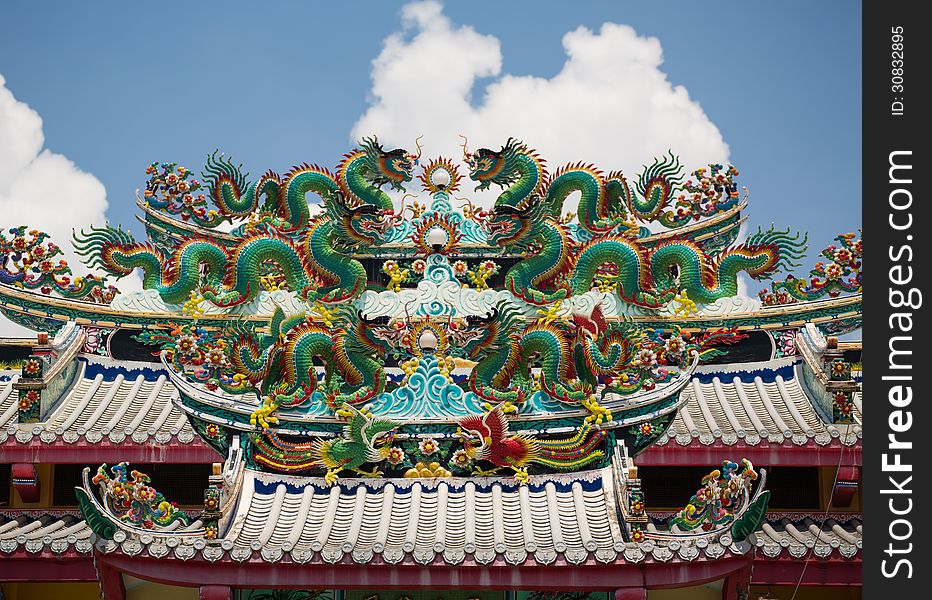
point(555, 267)
point(282, 361)
point(315, 267)
point(359, 177)
point(607, 203)
point(575, 356)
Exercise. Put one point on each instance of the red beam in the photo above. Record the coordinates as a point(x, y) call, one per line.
point(22, 566)
point(817, 572)
point(377, 574)
point(765, 454)
point(82, 451)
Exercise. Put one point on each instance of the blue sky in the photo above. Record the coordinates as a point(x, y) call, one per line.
point(119, 85)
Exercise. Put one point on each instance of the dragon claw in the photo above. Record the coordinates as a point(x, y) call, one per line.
point(373, 474)
point(485, 473)
point(331, 476)
point(263, 415)
point(521, 475)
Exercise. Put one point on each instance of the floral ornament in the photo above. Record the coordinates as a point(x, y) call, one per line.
point(777, 298)
point(129, 497)
point(712, 190)
point(645, 359)
point(211, 502)
point(32, 368)
point(785, 343)
point(460, 268)
point(201, 355)
point(675, 345)
point(96, 340)
point(29, 406)
point(212, 431)
point(724, 494)
point(428, 446)
point(637, 534)
point(395, 456)
point(210, 532)
point(187, 345)
point(172, 189)
point(843, 408)
point(29, 261)
point(840, 370)
point(419, 266)
point(839, 272)
point(645, 432)
point(216, 358)
point(833, 271)
point(461, 459)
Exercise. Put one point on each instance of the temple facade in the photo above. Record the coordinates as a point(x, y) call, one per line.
point(329, 389)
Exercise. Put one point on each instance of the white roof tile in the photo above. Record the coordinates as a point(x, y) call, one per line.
point(737, 406)
point(119, 402)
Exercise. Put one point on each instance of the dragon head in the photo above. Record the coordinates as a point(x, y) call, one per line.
point(361, 224)
point(509, 226)
point(465, 333)
point(392, 167)
point(490, 332)
point(490, 166)
point(379, 335)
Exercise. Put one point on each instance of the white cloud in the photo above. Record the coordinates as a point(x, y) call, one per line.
point(610, 104)
point(42, 189)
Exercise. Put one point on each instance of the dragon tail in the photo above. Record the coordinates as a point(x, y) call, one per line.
point(228, 186)
point(95, 248)
point(655, 185)
point(783, 250)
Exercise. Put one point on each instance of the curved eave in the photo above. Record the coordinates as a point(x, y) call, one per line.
point(238, 409)
point(109, 418)
point(698, 232)
point(167, 225)
point(33, 305)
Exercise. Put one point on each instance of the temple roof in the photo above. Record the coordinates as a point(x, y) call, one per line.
point(787, 537)
point(754, 406)
point(573, 515)
point(126, 404)
point(58, 533)
point(796, 537)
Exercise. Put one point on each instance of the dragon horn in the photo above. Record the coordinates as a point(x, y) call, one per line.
point(417, 143)
point(472, 207)
point(465, 149)
point(408, 315)
point(403, 198)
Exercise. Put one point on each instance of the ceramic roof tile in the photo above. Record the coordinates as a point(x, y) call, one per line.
point(731, 407)
point(131, 402)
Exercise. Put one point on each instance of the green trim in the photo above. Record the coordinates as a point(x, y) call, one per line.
point(752, 519)
point(98, 523)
